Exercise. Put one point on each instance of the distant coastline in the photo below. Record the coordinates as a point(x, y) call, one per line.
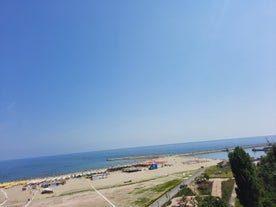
point(142, 157)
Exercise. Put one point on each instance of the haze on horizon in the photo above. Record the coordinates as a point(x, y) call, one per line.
point(90, 75)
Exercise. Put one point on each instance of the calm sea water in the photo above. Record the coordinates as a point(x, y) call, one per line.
point(63, 164)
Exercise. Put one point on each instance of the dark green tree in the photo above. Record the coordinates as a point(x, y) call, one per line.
point(267, 175)
point(248, 189)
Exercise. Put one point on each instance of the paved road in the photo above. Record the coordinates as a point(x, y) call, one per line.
point(165, 198)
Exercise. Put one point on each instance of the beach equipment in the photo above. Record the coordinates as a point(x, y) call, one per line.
point(153, 166)
point(47, 190)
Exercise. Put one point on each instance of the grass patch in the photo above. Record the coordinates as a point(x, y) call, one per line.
point(237, 203)
point(219, 172)
point(160, 188)
point(141, 201)
point(227, 188)
point(166, 186)
point(183, 174)
point(74, 192)
point(131, 183)
point(184, 192)
point(205, 188)
point(149, 195)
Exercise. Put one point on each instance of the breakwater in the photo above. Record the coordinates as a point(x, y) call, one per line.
point(145, 157)
point(142, 157)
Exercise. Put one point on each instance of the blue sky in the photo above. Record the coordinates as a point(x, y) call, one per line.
point(90, 75)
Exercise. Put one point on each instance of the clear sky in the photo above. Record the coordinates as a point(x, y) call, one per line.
point(90, 75)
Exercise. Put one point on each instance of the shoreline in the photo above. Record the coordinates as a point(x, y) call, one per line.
point(121, 187)
point(142, 157)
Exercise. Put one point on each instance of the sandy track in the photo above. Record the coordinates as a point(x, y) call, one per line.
point(233, 197)
point(100, 194)
point(216, 188)
point(5, 197)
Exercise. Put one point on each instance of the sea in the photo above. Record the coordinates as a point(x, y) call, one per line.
point(22, 169)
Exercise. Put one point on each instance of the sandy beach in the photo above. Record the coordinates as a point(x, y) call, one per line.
point(116, 189)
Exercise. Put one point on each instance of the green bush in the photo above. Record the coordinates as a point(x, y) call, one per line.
point(206, 175)
point(227, 188)
point(205, 188)
point(185, 192)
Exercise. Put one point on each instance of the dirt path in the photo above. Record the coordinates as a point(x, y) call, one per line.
point(216, 188)
point(6, 197)
point(30, 201)
point(233, 197)
point(99, 193)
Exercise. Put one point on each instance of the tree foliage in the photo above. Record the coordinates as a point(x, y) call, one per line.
point(245, 173)
point(256, 185)
point(267, 176)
